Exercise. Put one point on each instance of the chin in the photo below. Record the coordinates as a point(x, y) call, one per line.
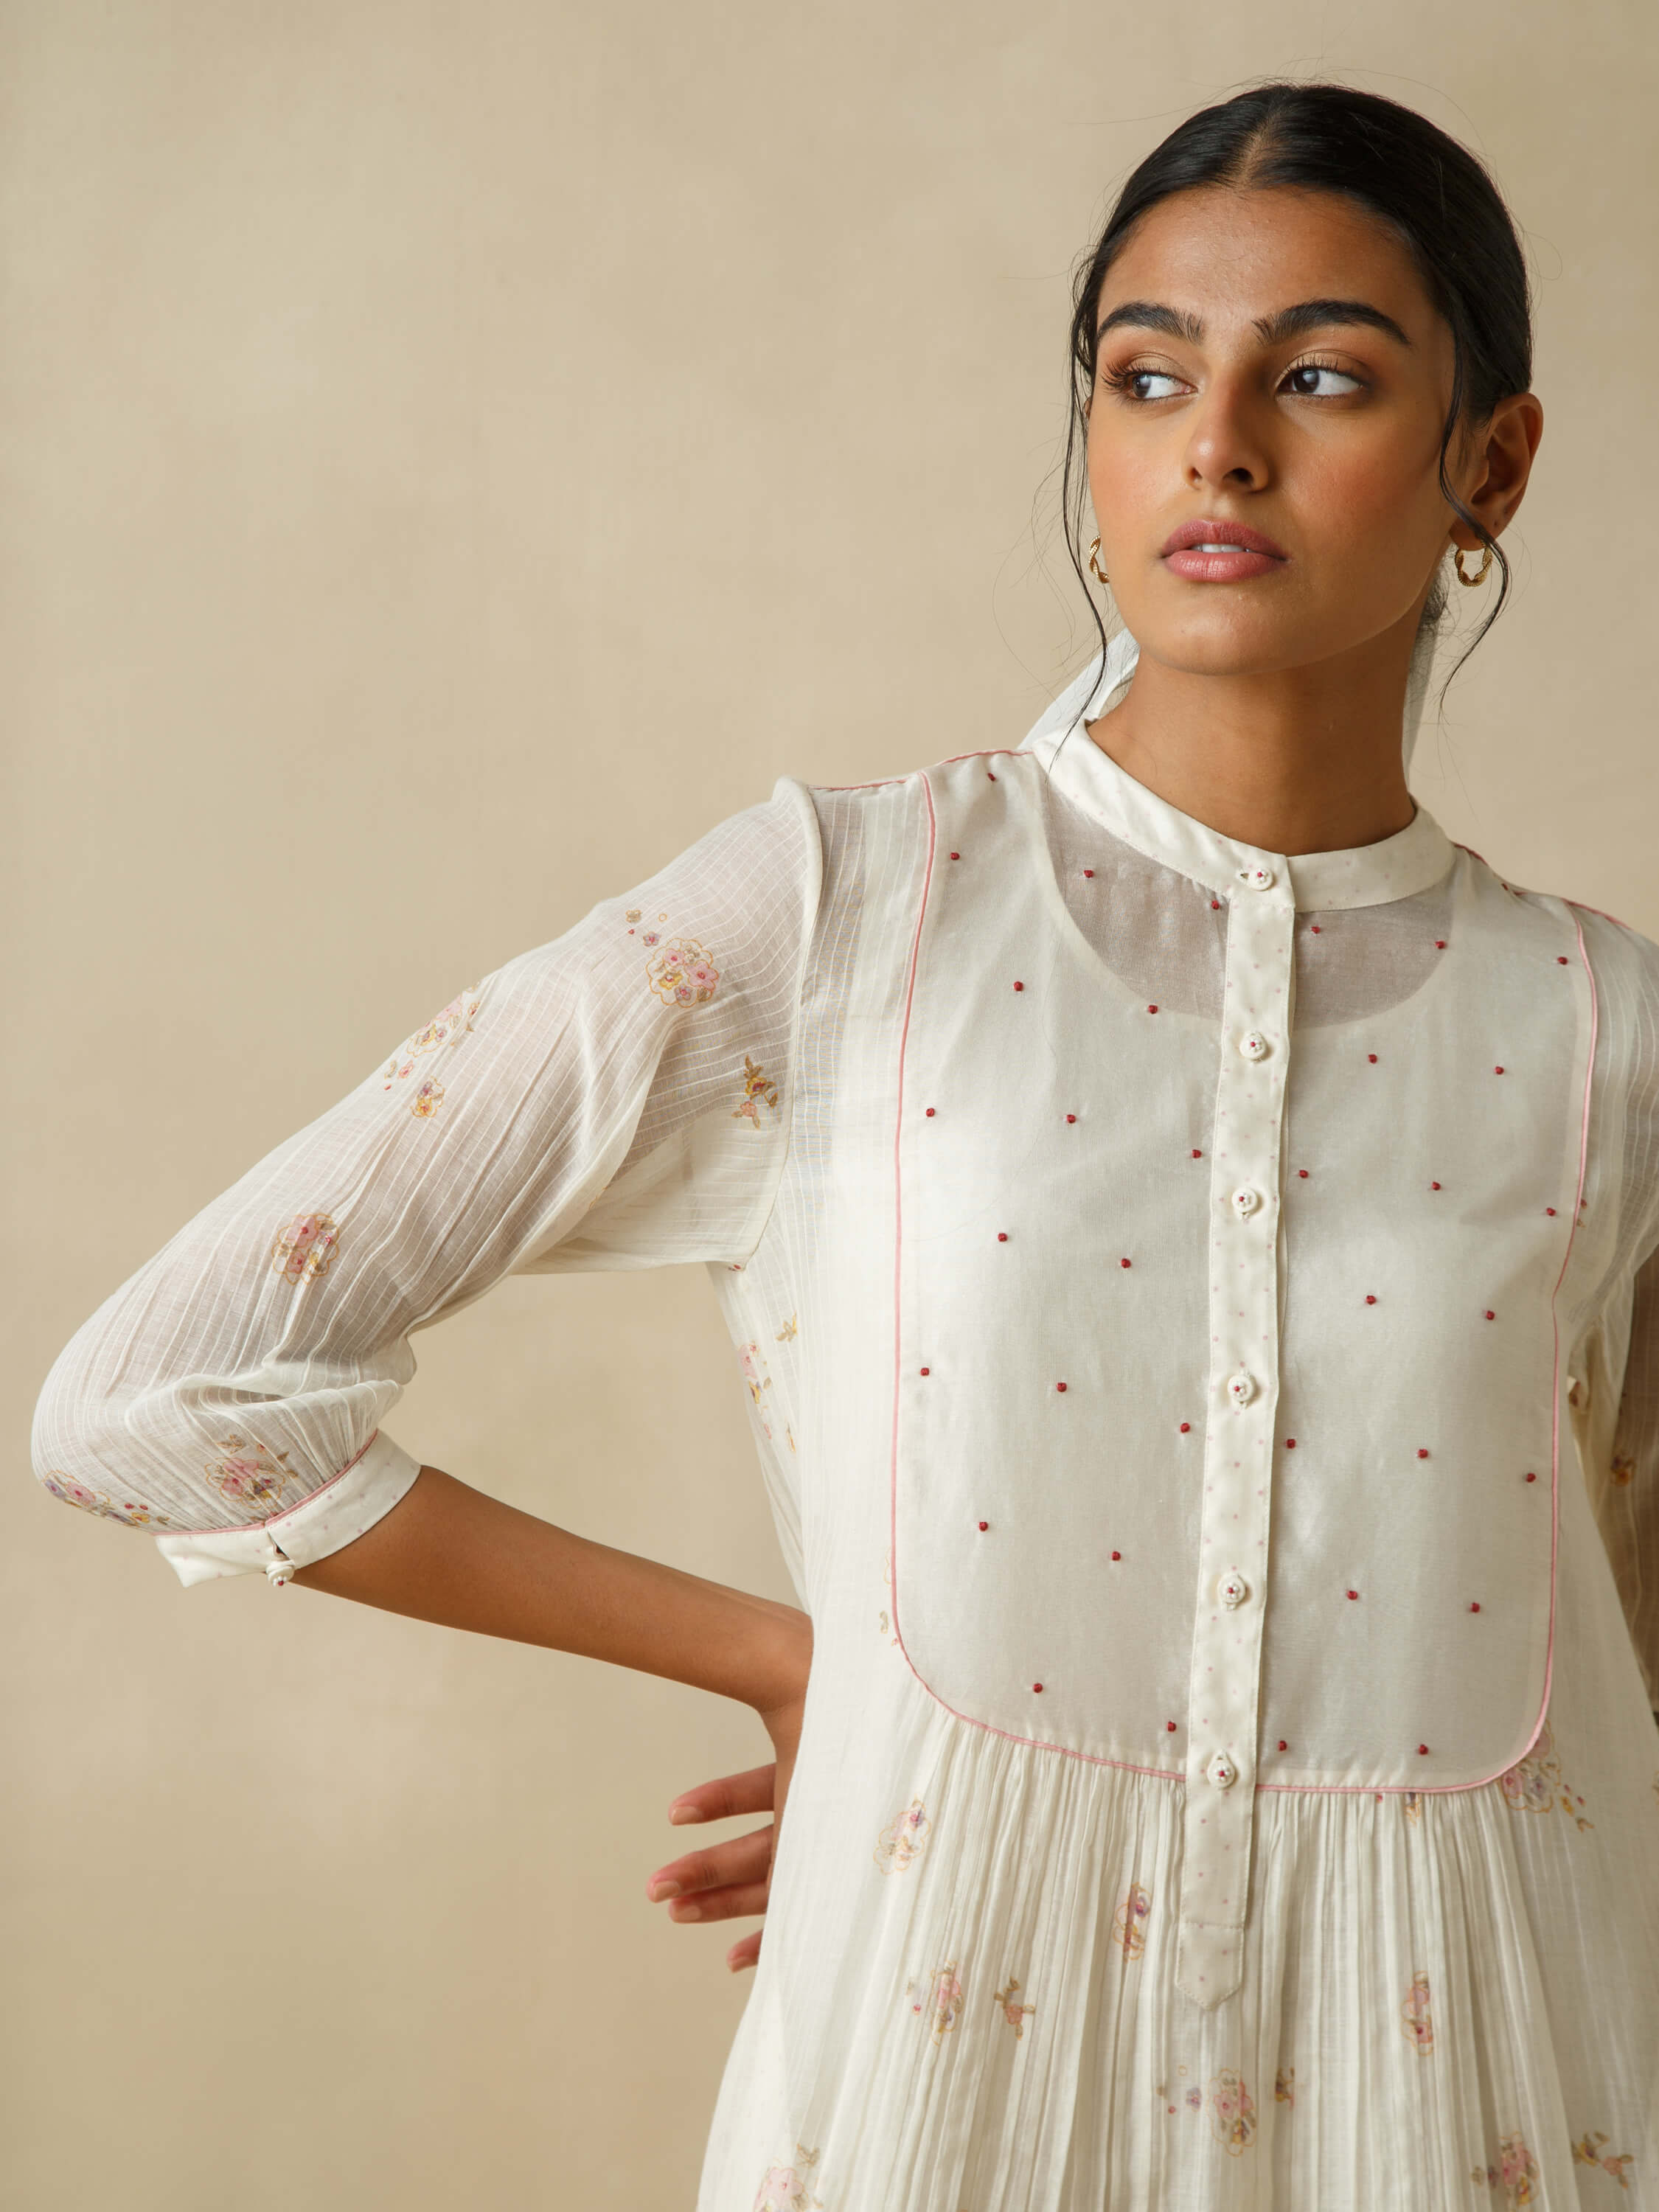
point(1237, 649)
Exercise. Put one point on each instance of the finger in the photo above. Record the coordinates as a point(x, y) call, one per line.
point(745, 1952)
point(731, 1902)
point(739, 1858)
point(750, 1792)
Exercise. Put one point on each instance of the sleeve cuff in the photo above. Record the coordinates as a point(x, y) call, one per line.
point(365, 1489)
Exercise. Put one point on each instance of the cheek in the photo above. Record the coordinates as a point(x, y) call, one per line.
point(1375, 496)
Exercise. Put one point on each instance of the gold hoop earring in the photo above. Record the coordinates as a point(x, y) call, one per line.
point(1479, 575)
point(1094, 562)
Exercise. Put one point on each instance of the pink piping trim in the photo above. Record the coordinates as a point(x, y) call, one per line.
point(1094, 1758)
point(245, 1526)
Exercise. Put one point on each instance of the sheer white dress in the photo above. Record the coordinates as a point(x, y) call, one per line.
point(1199, 1308)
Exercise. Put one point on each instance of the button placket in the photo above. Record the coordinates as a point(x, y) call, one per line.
point(1223, 1685)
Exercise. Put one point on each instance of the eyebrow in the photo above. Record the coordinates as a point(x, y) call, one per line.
point(1273, 329)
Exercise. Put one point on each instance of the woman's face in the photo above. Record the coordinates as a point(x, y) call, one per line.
point(1271, 358)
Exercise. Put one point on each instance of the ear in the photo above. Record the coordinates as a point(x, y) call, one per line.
point(1498, 457)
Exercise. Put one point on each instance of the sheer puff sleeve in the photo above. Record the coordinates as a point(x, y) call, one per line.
point(617, 1097)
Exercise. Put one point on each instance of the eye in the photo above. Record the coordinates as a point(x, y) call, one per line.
point(1134, 383)
point(1304, 380)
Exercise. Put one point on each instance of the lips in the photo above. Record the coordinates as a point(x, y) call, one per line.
point(1211, 531)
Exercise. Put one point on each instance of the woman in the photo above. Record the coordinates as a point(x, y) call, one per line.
point(1189, 1235)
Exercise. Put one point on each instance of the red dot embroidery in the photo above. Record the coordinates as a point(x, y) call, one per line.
point(1303, 1172)
point(1289, 1443)
point(931, 1112)
point(1532, 1477)
point(1117, 1555)
point(1036, 1686)
point(1152, 1010)
point(1491, 1316)
point(1560, 959)
point(1422, 1451)
point(1122, 1263)
point(1423, 1747)
point(1369, 1298)
point(1215, 905)
point(991, 772)
point(1372, 1056)
point(984, 1524)
point(1314, 926)
point(1474, 1605)
point(1283, 1745)
point(1439, 943)
point(1060, 1386)
point(1185, 1427)
point(1498, 1070)
point(1088, 872)
point(1549, 1209)
point(1019, 987)
point(1434, 1186)
point(955, 856)
point(1353, 1592)
point(924, 1371)
point(1197, 1155)
point(1002, 1236)
point(1072, 1117)
point(1171, 1726)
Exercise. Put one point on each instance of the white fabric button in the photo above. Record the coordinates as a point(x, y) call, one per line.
point(1245, 1200)
point(1222, 1772)
point(1259, 878)
point(278, 1572)
point(1240, 1388)
point(1253, 1045)
point(1232, 1589)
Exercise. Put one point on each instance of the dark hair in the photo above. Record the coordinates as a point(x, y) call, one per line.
point(1433, 193)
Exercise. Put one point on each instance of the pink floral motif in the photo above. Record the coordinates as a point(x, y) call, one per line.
point(1232, 2112)
point(248, 1474)
point(1013, 2012)
point(304, 1247)
point(1129, 1922)
point(1516, 2172)
point(1414, 2015)
point(1588, 2152)
point(447, 1027)
point(135, 1515)
point(903, 1839)
point(783, 2189)
point(681, 974)
point(757, 1092)
point(940, 1999)
point(1535, 1785)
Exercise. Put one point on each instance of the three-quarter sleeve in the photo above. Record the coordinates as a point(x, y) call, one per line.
point(1626, 1496)
point(617, 1097)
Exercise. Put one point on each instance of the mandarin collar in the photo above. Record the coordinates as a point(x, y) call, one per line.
point(1394, 867)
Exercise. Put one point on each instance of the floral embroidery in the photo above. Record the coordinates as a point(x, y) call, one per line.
point(248, 1474)
point(64, 1486)
point(1285, 2085)
point(1413, 1804)
point(1129, 1922)
point(1534, 1784)
point(681, 974)
point(448, 1027)
point(756, 1092)
point(787, 1332)
point(905, 1838)
point(305, 1247)
point(1516, 2169)
point(748, 1358)
point(1415, 2016)
point(782, 2188)
point(633, 913)
point(1232, 2112)
point(1014, 2014)
point(1588, 2151)
point(942, 2000)
point(1623, 1469)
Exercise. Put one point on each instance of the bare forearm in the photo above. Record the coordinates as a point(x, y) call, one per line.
point(449, 1553)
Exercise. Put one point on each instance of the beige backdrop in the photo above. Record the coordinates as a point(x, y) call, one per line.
point(452, 458)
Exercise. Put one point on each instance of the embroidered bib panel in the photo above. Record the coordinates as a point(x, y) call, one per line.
point(1246, 1319)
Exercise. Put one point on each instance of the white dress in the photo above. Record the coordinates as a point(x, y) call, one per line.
point(1200, 1313)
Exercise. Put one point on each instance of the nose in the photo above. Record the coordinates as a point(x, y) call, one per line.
point(1224, 444)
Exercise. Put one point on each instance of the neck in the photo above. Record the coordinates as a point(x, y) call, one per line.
point(1298, 759)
